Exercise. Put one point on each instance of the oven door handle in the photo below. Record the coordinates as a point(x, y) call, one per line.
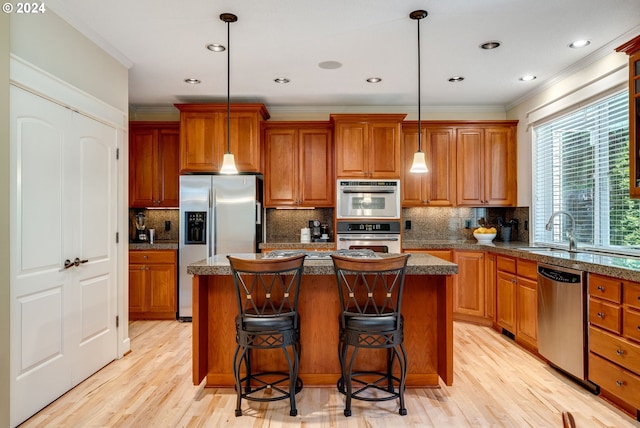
point(368, 239)
point(368, 191)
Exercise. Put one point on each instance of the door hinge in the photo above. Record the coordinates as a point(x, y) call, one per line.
point(117, 237)
point(117, 321)
point(118, 153)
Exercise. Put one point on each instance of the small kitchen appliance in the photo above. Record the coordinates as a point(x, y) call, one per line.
point(141, 228)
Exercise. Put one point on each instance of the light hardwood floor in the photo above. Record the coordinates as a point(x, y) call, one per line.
point(496, 384)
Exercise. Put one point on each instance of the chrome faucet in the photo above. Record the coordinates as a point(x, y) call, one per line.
point(572, 241)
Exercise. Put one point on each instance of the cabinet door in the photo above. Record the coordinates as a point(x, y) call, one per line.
point(490, 286)
point(199, 132)
point(245, 141)
point(161, 286)
point(506, 301)
point(527, 311)
point(500, 166)
point(281, 167)
point(141, 167)
point(470, 166)
point(384, 150)
point(316, 181)
point(414, 186)
point(137, 287)
point(468, 290)
point(168, 168)
point(440, 150)
point(352, 150)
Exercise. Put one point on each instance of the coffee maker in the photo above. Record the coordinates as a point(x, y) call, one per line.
point(319, 231)
point(141, 228)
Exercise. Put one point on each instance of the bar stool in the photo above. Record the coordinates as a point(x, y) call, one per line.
point(370, 293)
point(267, 296)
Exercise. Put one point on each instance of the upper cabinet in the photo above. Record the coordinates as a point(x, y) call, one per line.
point(367, 145)
point(154, 153)
point(632, 48)
point(298, 164)
point(486, 164)
point(437, 188)
point(203, 136)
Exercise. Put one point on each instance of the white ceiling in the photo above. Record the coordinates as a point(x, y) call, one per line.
point(164, 41)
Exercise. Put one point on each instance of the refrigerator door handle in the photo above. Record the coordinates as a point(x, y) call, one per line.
point(258, 212)
point(210, 209)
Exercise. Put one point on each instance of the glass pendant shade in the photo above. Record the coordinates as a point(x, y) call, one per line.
point(228, 164)
point(419, 165)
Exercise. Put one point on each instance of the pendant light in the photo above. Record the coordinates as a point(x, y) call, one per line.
point(419, 165)
point(228, 161)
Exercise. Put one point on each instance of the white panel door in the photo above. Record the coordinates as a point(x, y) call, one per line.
point(62, 206)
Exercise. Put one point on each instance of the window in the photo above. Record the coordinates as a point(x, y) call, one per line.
point(581, 163)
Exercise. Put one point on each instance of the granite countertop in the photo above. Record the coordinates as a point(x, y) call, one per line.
point(617, 266)
point(418, 264)
point(158, 245)
point(297, 245)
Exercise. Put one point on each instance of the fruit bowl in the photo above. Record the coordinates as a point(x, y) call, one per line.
point(484, 238)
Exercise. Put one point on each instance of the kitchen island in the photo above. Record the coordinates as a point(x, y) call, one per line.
point(427, 309)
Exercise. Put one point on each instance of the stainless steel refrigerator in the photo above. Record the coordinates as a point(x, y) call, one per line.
point(219, 215)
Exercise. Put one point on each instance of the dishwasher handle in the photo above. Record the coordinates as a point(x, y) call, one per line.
point(559, 275)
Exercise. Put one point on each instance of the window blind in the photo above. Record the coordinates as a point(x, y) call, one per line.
point(581, 165)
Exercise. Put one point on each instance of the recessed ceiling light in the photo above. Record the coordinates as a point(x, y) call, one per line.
point(456, 79)
point(490, 45)
point(528, 77)
point(281, 80)
point(192, 81)
point(580, 44)
point(374, 79)
point(330, 65)
point(216, 47)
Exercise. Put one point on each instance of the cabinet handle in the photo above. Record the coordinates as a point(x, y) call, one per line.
point(601, 288)
point(620, 383)
point(639, 328)
point(620, 352)
point(601, 315)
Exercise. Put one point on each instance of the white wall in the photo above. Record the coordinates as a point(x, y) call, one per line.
point(600, 76)
point(4, 219)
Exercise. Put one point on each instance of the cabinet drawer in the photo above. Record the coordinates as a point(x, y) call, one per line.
point(152, 256)
point(631, 324)
point(605, 315)
point(617, 381)
point(632, 295)
point(528, 269)
point(616, 349)
point(506, 264)
point(605, 288)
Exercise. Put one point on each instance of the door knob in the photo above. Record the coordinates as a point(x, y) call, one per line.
point(78, 262)
point(67, 264)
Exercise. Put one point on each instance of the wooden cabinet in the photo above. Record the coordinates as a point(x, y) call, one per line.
point(632, 48)
point(527, 302)
point(469, 286)
point(490, 286)
point(614, 339)
point(298, 164)
point(367, 145)
point(506, 293)
point(517, 298)
point(154, 154)
point(203, 136)
point(486, 165)
point(438, 186)
point(152, 284)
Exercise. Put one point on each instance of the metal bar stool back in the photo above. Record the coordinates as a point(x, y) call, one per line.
point(267, 298)
point(370, 292)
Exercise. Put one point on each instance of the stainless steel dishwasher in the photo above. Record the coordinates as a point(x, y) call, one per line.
point(562, 334)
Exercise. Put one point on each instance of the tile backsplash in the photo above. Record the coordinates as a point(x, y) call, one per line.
point(157, 219)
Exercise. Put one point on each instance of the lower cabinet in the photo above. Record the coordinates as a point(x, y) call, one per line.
point(152, 284)
point(614, 340)
point(469, 286)
point(517, 298)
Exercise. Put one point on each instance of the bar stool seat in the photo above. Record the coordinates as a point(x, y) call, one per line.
point(370, 292)
point(267, 297)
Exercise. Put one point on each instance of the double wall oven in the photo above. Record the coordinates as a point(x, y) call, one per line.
point(368, 215)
